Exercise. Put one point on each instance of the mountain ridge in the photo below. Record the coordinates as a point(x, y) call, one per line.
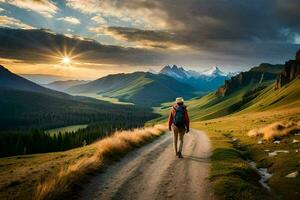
point(13, 81)
point(141, 88)
point(256, 75)
point(64, 85)
point(207, 80)
point(27, 105)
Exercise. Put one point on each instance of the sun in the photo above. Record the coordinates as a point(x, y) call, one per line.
point(66, 60)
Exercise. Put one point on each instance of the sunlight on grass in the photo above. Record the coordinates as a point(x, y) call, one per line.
point(117, 144)
point(275, 130)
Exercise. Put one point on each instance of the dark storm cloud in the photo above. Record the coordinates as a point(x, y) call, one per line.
point(191, 32)
point(42, 46)
point(232, 27)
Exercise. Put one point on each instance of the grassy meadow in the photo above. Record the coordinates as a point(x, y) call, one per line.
point(231, 175)
point(228, 120)
point(47, 175)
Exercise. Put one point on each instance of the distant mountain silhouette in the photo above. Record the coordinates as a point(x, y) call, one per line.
point(13, 81)
point(64, 85)
point(141, 88)
point(42, 79)
point(26, 105)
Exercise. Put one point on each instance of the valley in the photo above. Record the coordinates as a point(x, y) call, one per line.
point(149, 100)
point(84, 114)
point(229, 118)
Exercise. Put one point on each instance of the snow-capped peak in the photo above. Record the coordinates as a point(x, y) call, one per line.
point(181, 74)
point(213, 72)
point(174, 71)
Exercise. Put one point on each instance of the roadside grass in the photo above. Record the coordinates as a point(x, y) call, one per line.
point(276, 130)
point(48, 175)
point(227, 120)
point(231, 175)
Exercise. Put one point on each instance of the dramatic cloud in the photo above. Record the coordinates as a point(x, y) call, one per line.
point(126, 11)
point(144, 38)
point(42, 46)
point(44, 7)
point(6, 21)
point(234, 34)
point(71, 20)
point(229, 27)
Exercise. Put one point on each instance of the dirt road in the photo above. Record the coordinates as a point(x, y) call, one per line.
point(153, 172)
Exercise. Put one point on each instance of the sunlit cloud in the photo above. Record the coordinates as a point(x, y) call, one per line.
point(10, 22)
point(126, 11)
point(99, 19)
point(2, 10)
point(141, 38)
point(71, 20)
point(140, 33)
point(47, 8)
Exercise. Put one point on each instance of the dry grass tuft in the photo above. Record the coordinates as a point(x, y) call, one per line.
point(118, 143)
point(276, 129)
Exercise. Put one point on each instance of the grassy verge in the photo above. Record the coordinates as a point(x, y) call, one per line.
point(231, 175)
point(45, 176)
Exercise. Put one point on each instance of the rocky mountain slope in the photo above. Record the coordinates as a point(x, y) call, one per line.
point(257, 75)
point(290, 71)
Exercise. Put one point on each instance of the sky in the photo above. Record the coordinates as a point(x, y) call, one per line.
point(101, 37)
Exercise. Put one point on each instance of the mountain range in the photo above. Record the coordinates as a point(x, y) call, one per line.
point(140, 88)
point(64, 85)
point(25, 105)
point(43, 79)
point(204, 81)
point(261, 88)
point(152, 88)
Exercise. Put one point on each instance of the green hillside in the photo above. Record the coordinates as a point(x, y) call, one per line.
point(285, 97)
point(22, 109)
point(140, 88)
point(253, 97)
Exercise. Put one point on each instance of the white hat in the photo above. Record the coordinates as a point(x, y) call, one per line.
point(179, 100)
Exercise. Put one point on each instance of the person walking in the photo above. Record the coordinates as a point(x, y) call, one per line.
point(180, 123)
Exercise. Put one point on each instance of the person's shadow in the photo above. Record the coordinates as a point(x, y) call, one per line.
point(195, 158)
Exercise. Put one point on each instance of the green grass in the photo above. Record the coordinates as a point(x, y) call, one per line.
point(48, 175)
point(225, 118)
point(231, 176)
point(140, 88)
point(212, 106)
point(229, 166)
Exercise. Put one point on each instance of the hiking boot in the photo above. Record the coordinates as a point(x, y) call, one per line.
point(179, 155)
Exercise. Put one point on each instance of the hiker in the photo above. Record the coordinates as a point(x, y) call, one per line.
point(180, 123)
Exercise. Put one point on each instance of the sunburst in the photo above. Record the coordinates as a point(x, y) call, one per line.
point(66, 60)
